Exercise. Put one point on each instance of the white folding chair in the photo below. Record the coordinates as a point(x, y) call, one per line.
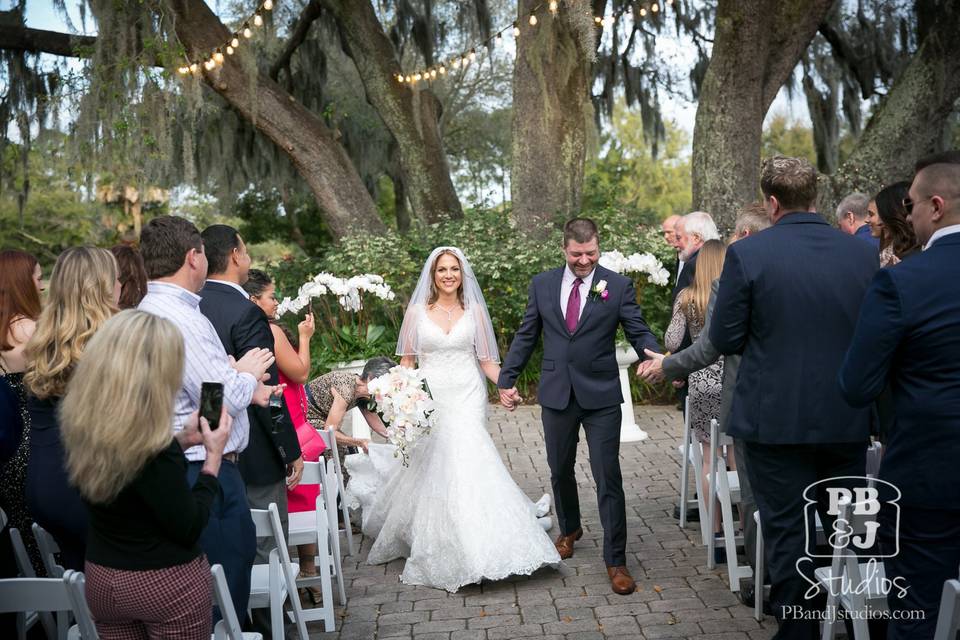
point(948, 620)
point(696, 457)
point(84, 627)
point(759, 588)
point(26, 619)
point(42, 595)
point(330, 439)
point(48, 547)
point(686, 460)
point(274, 583)
point(845, 567)
point(315, 527)
point(228, 627)
point(725, 489)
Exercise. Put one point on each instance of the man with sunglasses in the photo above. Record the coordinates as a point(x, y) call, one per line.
point(908, 336)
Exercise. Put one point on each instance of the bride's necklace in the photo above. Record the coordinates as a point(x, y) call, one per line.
point(449, 311)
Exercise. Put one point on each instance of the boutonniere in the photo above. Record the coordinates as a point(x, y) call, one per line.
point(599, 291)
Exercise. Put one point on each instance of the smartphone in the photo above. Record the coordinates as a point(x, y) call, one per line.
point(211, 402)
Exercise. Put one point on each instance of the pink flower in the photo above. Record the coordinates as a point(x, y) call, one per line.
point(604, 294)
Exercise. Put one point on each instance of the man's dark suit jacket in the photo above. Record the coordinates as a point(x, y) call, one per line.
point(684, 279)
point(788, 301)
point(908, 335)
point(585, 361)
point(243, 326)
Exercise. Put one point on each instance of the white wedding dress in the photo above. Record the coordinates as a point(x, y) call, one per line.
point(455, 513)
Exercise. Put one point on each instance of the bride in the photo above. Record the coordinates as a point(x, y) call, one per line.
point(455, 513)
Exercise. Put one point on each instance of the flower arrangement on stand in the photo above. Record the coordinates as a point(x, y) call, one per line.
point(338, 304)
point(403, 400)
point(643, 263)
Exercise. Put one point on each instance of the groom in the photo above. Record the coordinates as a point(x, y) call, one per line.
point(578, 308)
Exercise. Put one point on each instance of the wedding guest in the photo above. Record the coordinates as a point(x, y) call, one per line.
point(781, 305)
point(133, 276)
point(669, 231)
point(145, 573)
point(689, 316)
point(20, 284)
point(751, 220)
point(293, 369)
point(331, 396)
point(887, 219)
point(692, 231)
point(907, 336)
point(176, 265)
point(82, 295)
point(852, 215)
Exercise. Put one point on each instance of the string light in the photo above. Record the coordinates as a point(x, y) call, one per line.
point(215, 57)
point(462, 60)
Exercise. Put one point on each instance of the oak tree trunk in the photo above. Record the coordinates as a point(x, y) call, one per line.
point(757, 44)
point(551, 114)
point(410, 112)
point(346, 205)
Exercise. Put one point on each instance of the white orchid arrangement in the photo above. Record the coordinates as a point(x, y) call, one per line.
point(645, 263)
point(403, 400)
point(347, 290)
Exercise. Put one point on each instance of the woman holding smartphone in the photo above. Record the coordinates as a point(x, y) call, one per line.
point(145, 573)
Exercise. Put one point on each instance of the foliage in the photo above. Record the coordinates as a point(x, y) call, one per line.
point(628, 175)
point(787, 138)
point(504, 260)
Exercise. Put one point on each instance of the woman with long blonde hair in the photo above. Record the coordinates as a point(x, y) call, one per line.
point(82, 295)
point(689, 312)
point(146, 574)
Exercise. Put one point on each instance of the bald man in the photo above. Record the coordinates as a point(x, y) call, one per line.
point(908, 335)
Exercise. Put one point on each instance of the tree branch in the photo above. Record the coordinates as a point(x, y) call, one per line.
point(40, 41)
point(310, 13)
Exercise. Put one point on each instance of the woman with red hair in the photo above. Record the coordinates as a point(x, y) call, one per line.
point(20, 286)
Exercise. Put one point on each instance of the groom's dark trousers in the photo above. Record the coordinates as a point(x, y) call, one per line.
point(561, 433)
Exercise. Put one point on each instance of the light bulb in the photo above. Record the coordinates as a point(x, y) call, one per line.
point(442, 70)
point(433, 73)
point(235, 42)
point(464, 61)
point(473, 55)
point(553, 6)
point(455, 63)
point(418, 77)
point(409, 79)
point(257, 20)
point(598, 20)
point(194, 68)
point(533, 20)
point(209, 64)
point(183, 70)
point(230, 50)
point(654, 7)
point(643, 12)
point(247, 33)
point(268, 4)
point(516, 30)
point(218, 57)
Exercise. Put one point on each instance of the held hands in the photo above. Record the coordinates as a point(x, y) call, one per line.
point(306, 328)
point(510, 398)
point(651, 370)
point(255, 362)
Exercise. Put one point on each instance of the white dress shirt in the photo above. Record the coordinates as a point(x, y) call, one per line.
point(939, 233)
point(246, 296)
point(566, 286)
point(679, 270)
point(205, 361)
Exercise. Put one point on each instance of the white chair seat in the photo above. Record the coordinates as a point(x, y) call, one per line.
point(302, 528)
point(260, 585)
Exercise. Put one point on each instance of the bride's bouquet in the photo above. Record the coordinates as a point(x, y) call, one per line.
point(403, 400)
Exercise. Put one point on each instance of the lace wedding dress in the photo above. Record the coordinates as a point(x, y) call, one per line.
point(455, 513)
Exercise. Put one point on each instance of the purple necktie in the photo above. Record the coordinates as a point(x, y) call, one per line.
point(573, 306)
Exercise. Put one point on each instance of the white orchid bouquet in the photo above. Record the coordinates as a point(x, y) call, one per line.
point(645, 263)
point(349, 292)
point(403, 400)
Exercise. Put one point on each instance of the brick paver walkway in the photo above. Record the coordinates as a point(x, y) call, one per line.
point(677, 596)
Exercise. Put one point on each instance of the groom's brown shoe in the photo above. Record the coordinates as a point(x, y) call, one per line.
point(564, 543)
point(621, 580)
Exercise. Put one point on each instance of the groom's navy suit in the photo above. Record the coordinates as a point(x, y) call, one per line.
point(580, 384)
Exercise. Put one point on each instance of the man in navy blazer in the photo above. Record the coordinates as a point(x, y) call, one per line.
point(908, 336)
point(787, 301)
point(577, 309)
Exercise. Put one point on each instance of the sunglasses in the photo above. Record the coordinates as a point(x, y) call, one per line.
point(908, 203)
